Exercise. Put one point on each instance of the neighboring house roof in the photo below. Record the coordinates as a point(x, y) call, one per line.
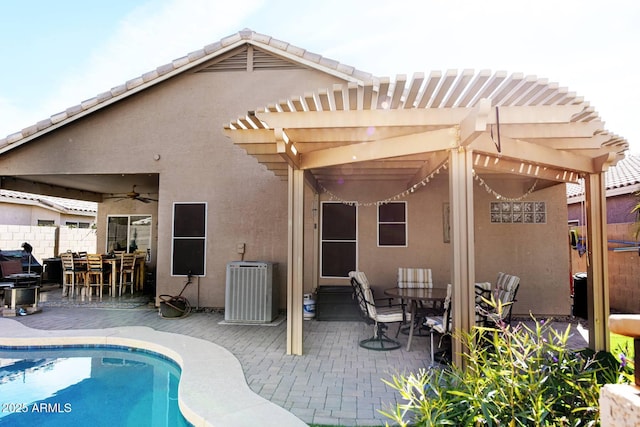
point(58, 204)
point(267, 43)
point(623, 178)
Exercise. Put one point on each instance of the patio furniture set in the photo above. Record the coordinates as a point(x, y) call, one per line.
point(84, 273)
point(417, 306)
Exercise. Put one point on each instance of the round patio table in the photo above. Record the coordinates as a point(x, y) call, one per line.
point(414, 295)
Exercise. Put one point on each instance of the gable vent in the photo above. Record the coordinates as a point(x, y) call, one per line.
point(265, 61)
point(248, 57)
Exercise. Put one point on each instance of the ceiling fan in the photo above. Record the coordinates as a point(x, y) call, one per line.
point(133, 195)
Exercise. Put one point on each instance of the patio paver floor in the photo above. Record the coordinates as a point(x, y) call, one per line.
point(335, 382)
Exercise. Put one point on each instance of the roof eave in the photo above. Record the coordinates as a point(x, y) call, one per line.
point(176, 67)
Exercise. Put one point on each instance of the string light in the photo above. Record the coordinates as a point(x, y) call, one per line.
point(402, 195)
point(499, 196)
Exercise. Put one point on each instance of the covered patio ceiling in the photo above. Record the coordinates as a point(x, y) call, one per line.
point(402, 130)
point(89, 187)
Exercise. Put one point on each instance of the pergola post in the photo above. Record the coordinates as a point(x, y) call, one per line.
point(597, 269)
point(462, 245)
point(295, 257)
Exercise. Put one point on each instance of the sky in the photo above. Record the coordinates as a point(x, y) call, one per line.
point(56, 54)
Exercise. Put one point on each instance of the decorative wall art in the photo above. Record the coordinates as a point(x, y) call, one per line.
point(518, 212)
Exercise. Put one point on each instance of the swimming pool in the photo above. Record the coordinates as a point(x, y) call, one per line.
point(88, 385)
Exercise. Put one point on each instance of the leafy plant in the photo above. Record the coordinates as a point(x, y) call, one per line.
point(514, 376)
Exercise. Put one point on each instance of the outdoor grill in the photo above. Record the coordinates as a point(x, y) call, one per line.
point(23, 256)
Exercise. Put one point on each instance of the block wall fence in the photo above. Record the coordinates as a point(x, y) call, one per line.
point(624, 268)
point(48, 242)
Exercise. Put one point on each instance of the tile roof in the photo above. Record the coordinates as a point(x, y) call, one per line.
point(626, 173)
point(68, 206)
point(177, 66)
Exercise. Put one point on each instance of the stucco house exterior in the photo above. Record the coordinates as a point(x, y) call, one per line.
point(254, 149)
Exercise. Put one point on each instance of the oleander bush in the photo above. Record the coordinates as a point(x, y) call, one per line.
point(514, 376)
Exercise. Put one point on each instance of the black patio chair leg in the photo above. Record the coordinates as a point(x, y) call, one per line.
point(380, 341)
point(400, 325)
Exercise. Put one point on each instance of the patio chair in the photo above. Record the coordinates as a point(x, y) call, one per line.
point(378, 314)
point(483, 306)
point(127, 272)
point(441, 324)
point(505, 293)
point(495, 307)
point(411, 277)
point(72, 274)
point(96, 272)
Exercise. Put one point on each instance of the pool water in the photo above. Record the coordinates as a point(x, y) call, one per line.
point(88, 386)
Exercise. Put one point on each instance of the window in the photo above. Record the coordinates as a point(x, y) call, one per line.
point(392, 224)
point(189, 239)
point(46, 223)
point(338, 241)
point(129, 233)
point(77, 224)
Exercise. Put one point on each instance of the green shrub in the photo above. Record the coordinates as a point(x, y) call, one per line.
point(520, 376)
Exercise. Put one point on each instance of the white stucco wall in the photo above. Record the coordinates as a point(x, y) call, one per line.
point(47, 242)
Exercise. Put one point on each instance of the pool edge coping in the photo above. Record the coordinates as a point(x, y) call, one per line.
point(224, 400)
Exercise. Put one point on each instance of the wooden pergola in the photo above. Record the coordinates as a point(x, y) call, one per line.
point(478, 123)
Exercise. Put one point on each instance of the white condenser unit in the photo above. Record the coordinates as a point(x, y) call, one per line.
point(251, 294)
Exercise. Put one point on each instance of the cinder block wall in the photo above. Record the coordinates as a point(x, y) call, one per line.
point(624, 271)
point(76, 240)
point(47, 242)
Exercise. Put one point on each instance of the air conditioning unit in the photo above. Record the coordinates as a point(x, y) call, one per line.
point(251, 294)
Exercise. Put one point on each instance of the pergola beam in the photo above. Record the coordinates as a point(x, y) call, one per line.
point(550, 130)
point(593, 142)
point(401, 178)
point(393, 147)
point(534, 153)
point(254, 136)
point(276, 165)
point(541, 115)
point(361, 171)
point(268, 158)
point(260, 148)
point(428, 168)
point(285, 148)
point(501, 164)
point(475, 123)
